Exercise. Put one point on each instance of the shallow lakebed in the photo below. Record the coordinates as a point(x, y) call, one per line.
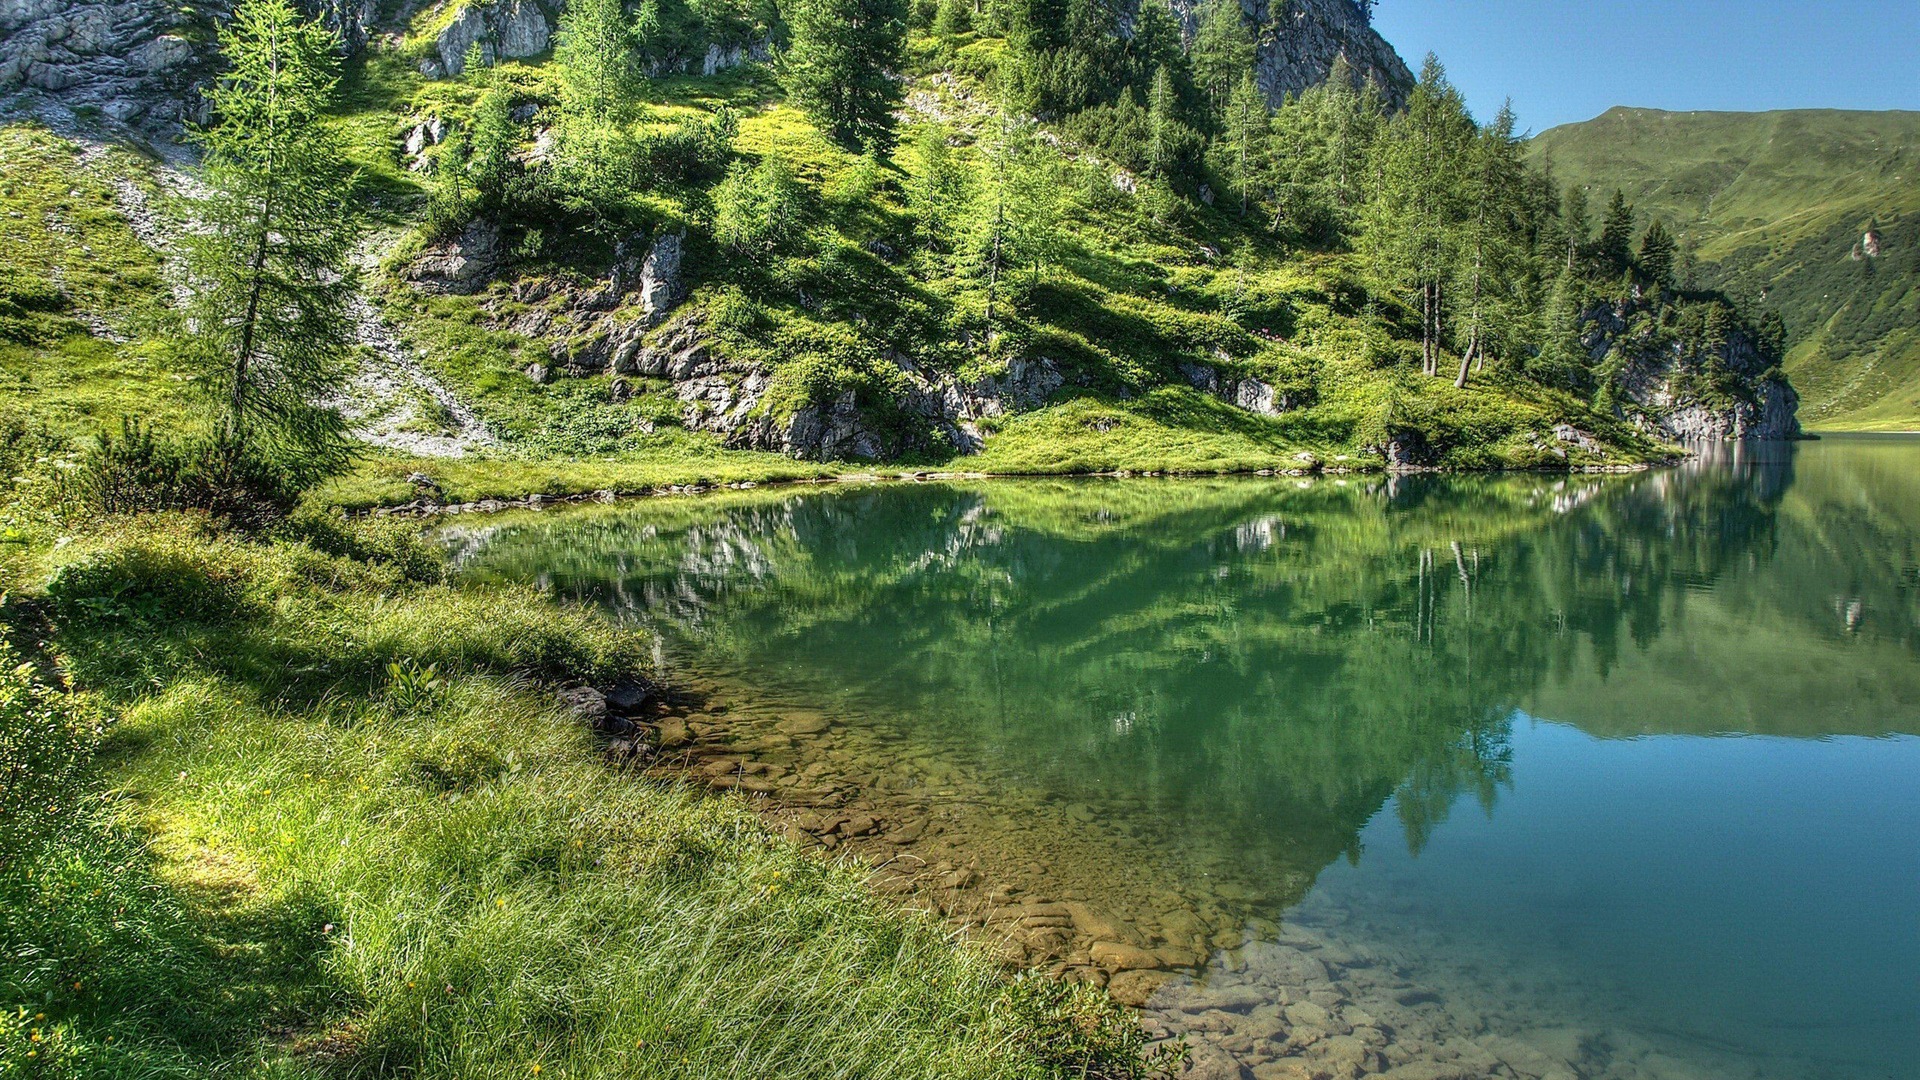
point(1525, 775)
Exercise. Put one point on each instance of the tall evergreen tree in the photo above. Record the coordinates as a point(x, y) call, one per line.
point(1413, 222)
point(1222, 51)
point(840, 67)
point(1492, 246)
point(1016, 210)
point(1614, 250)
point(594, 54)
point(937, 191)
point(1164, 130)
point(1248, 131)
point(600, 77)
point(270, 330)
point(1656, 259)
point(1577, 221)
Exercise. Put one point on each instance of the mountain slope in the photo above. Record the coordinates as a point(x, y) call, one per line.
point(1778, 207)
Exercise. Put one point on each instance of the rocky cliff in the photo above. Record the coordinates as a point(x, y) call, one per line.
point(1299, 40)
point(1709, 382)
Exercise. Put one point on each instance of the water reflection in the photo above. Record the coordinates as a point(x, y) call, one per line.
point(1244, 674)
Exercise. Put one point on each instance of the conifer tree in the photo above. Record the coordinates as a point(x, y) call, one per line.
point(1247, 135)
point(595, 154)
point(1413, 222)
point(270, 330)
point(490, 158)
point(1577, 222)
point(1015, 215)
point(1614, 249)
point(840, 67)
point(937, 191)
point(1492, 251)
point(1656, 259)
point(1163, 124)
point(1222, 51)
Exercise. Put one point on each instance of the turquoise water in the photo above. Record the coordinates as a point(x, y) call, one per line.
point(1621, 771)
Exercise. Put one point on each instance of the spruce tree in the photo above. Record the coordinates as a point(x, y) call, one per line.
point(1614, 250)
point(1492, 248)
point(595, 154)
point(1247, 135)
point(937, 190)
point(1577, 222)
point(490, 160)
point(1222, 51)
point(1412, 230)
point(1656, 259)
point(270, 332)
point(840, 67)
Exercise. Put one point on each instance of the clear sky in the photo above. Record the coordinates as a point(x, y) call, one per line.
point(1567, 60)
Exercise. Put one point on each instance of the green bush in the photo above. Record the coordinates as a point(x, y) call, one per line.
point(46, 735)
point(139, 471)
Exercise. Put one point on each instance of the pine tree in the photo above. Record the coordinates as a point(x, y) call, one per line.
point(1577, 222)
point(757, 208)
point(270, 331)
point(1222, 51)
point(1492, 249)
point(1413, 221)
point(595, 154)
point(594, 55)
point(1165, 133)
point(840, 67)
point(490, 160)
point(1016, 210)
point(937, 190)
point(1656, 259)
point(1247, 135)
point(1614, 250)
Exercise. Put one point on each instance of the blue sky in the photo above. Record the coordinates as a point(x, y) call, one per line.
point(1567, 60)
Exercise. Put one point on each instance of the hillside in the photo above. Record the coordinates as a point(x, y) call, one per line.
point(1777, 206)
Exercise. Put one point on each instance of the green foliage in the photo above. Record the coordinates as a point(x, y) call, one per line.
point(758, 207)
point(268, 330)
point(135, 470)
point(841, 66)
point(1656, 257)
point(329, 846)
point(46, 735)
point(413, 688)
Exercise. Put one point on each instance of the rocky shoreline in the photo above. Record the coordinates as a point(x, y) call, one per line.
point(1056, 888)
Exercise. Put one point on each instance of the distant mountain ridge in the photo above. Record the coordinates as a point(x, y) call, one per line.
point(1812, 213)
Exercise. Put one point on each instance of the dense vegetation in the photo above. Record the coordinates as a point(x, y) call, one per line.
point(1029, 187)
point(279, 802)
point(1775, 209)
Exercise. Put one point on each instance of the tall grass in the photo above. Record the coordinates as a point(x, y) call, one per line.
point(295, 863)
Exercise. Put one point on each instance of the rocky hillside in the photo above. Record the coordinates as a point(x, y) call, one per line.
point(1813, 214)
point(756, 287)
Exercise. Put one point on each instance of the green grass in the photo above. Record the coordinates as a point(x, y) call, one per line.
point(1774, 203)
point(289, 862)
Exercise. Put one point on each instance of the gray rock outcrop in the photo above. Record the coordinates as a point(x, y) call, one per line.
point(460, 265)
point(1660, 383)
point(133, 62)
point(514, 29)
point(1299, 40)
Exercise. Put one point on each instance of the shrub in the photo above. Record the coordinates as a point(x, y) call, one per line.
point(691, 152)
point(137, 471)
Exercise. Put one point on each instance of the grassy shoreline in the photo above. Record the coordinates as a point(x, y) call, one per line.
point(290, 859)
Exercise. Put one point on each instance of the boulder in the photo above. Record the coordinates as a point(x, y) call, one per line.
point(460, 265)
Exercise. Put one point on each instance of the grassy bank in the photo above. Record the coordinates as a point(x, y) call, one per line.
point(324, 818)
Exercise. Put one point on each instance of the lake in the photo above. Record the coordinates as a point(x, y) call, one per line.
point(1518, 775)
